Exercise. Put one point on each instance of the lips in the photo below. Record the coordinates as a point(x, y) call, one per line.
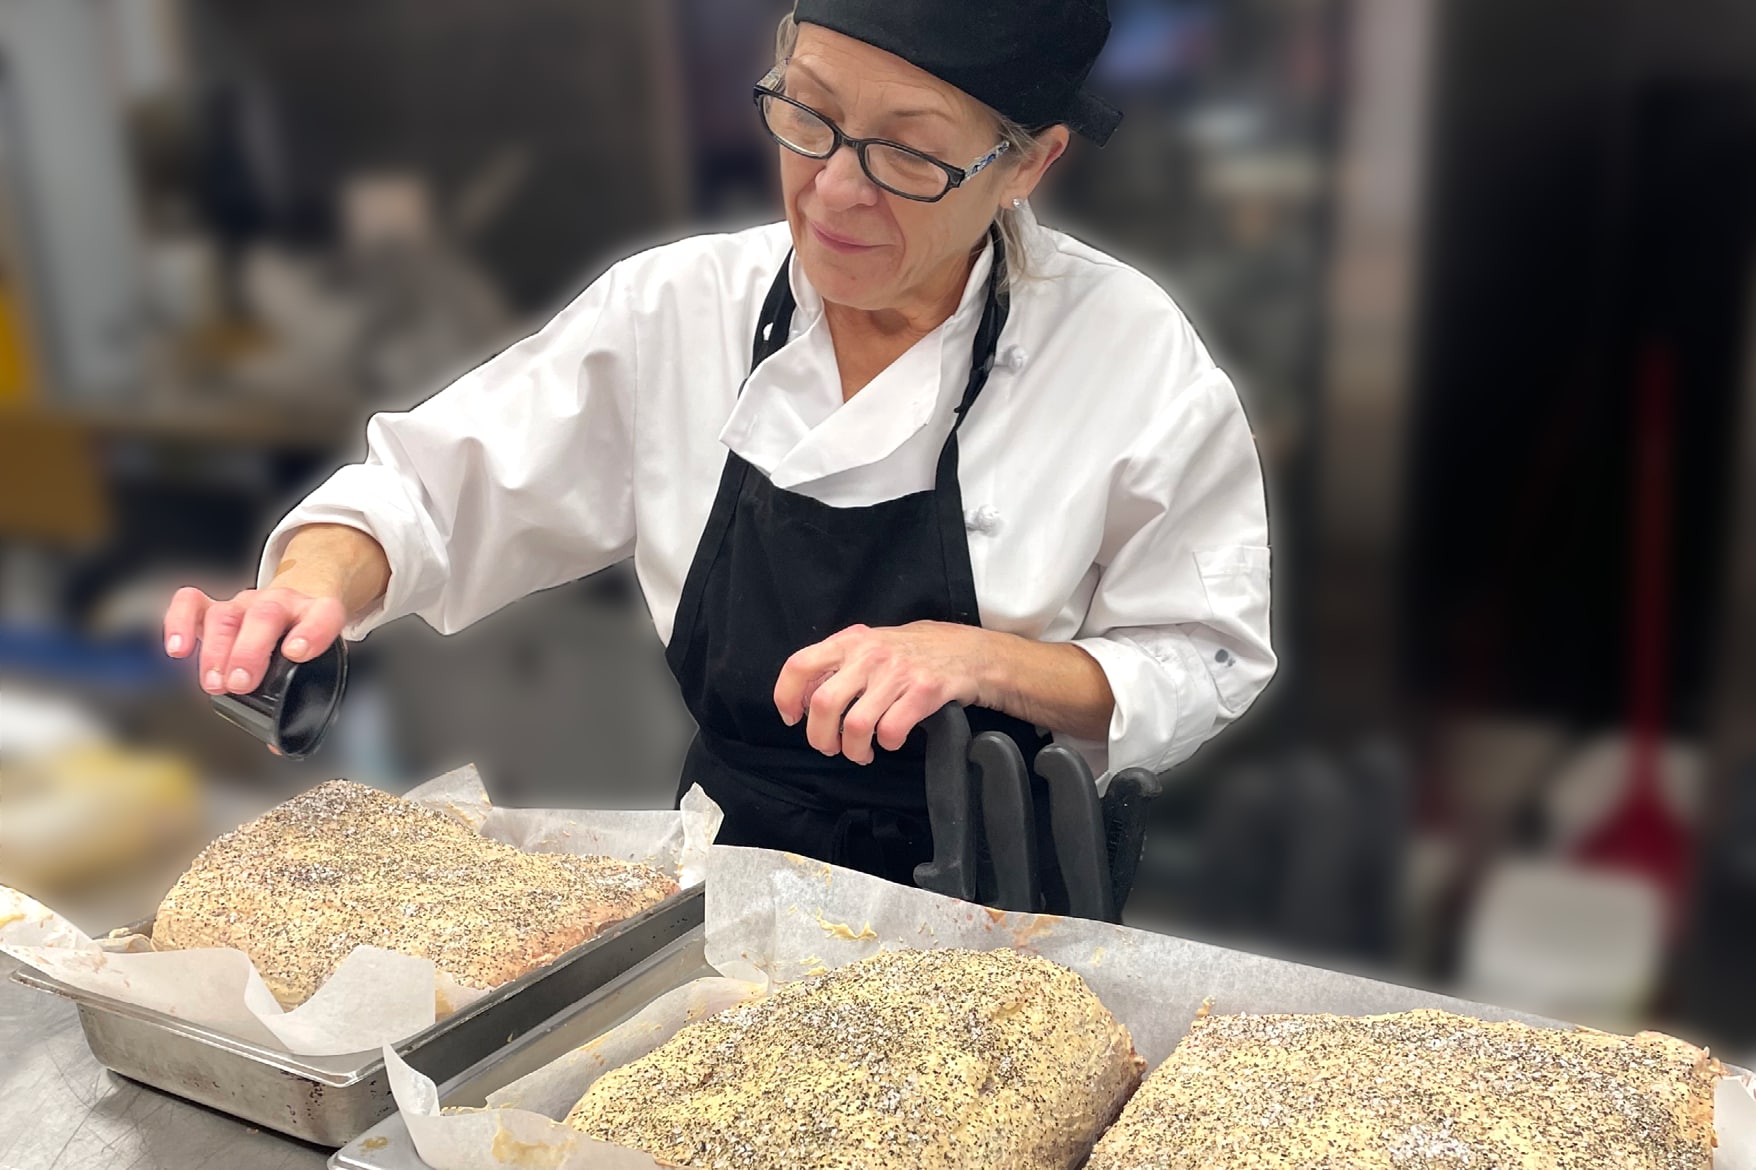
point(838, 243)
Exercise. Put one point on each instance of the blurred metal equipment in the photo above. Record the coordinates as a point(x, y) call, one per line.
point(68, 184)
point(1375, 271)
point(428, 311)
point(1309, 850)
point(552, 130)
point(1719, 952)
point(564, 698)
point(1734, 731)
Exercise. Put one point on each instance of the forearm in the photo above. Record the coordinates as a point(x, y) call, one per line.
point(334, 560)
point(1050, 684)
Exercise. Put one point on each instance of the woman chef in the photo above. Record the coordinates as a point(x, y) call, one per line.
point(907, 448)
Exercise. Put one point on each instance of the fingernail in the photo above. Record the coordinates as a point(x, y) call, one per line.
point(174, 645)
point(240, 680)
point(295, 646)
point(212, 681)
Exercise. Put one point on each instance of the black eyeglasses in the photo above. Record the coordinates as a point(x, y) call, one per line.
point(898, 169)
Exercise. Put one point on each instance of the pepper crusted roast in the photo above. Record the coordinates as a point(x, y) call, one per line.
point(1422, 1089)
point(344, 865)
point(922, 1059)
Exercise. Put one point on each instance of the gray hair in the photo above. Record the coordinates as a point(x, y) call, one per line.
point(1020, 143)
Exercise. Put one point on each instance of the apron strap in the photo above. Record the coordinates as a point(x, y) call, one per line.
point(776, 321)
point(775, 324)
point(987, 339)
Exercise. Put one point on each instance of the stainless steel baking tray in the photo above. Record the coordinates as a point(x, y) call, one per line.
point(387, 1145)
point(327, 1100)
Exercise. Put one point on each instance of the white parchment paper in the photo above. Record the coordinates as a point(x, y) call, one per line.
point(375, 997)
point(774, 917)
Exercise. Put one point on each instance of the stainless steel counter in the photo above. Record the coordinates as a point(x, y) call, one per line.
point(61, 1110)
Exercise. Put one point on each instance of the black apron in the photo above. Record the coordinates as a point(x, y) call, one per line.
point(777, 571)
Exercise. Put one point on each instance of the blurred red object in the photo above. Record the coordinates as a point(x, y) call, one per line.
point(1642, 835)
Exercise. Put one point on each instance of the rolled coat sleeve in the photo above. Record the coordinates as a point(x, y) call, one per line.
point(1179, 620)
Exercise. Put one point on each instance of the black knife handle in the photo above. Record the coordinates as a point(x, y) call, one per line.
point(1126, 801)
point(950, 806)
point(1009, 820)
point(1076, 822)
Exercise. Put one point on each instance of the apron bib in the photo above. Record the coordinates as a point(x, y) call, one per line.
point(777, 571)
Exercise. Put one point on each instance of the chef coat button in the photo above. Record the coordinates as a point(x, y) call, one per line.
point(1016, 357)
point(985, 520)
point(1224, 657)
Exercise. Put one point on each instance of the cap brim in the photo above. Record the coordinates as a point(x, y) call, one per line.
point(1093, 118)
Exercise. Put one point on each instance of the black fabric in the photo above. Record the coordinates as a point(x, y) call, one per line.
point(1027, 59)
point(777, 571)
point(762, 812)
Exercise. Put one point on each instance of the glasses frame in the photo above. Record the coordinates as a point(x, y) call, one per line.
point(955, 177)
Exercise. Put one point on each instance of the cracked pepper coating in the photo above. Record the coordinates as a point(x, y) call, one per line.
point(1423, 1089)
point(344, 865)
point(922, 1059)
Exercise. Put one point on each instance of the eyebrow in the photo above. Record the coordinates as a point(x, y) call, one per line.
point(910, 112)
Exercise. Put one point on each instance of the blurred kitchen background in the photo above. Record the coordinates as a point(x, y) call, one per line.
point(1480, 268)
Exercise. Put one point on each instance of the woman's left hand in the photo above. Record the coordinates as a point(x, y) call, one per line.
point(864, 684)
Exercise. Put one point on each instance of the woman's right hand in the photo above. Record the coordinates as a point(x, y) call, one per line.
point(327, 572)
point(238, 635)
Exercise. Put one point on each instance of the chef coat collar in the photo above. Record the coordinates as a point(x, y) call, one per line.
point(790, 420)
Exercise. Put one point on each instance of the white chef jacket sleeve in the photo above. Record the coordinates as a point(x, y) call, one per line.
point(1179, 621)
point(514, 478)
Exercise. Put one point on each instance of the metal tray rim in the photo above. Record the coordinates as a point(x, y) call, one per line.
point(616, 988)
point(298, 1066)
point(349, 1157)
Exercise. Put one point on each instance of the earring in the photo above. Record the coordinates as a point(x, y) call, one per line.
point(1018, 205)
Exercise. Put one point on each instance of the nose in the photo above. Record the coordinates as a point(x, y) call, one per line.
point(842, 184)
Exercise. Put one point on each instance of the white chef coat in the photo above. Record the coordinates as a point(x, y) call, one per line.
point(1112, 491)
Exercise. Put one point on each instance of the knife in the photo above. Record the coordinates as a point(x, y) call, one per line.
point(1125, 805)
point(1009, 821)
point(1076, 823)
point(950, 806)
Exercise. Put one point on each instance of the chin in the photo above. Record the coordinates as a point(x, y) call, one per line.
point(859, 282)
